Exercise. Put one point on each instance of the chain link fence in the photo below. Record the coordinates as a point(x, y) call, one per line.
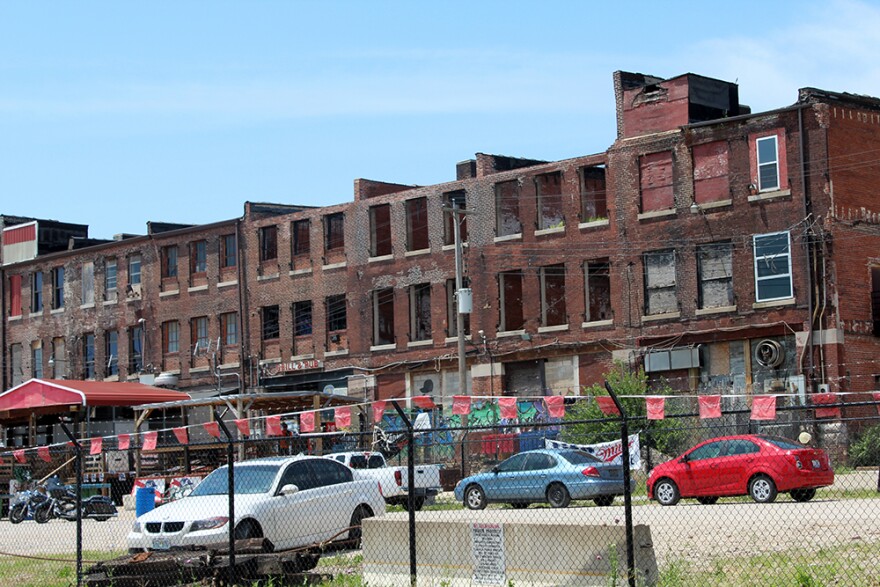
point(475, 498)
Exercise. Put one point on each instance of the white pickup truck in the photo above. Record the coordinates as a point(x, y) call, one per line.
point(394, 481)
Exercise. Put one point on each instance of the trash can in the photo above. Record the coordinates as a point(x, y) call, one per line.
point(144, 500)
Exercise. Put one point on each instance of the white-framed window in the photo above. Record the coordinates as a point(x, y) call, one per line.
point(772, 267)
point(134, 270)
point(768, 163)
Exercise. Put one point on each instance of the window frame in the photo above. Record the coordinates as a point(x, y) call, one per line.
point(547, 202)
point(774, 163)
point(266, 323)
point(170, 337)
point(303, 318)
point(268, 236)
point(758, 259)
point(417, 227)
point(551, 273)
point(170, 256)
point(198, 257)
point(134, 277)
point(381, 297)
point(36, 292)
point(58, 287)
point(229, 326)
point(111, 277)
point(89, 370)
point(702, 280)
point(111, 352)
point(87, 282)
point(300, 246)
point(334, 231)
point(602, 270)
point(418, 329)
point(200, 334)
point(648, 287)
point(228, 251)
point(380, 235)
point(333, 321)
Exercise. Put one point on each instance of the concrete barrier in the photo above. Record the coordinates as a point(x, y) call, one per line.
point(501, 547)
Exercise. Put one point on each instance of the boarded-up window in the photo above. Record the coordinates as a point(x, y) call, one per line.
point(452, 311)
point(59, 358)
point(417, 224)
point(302, 318)
point(383, 316)
point(711, 183)
point(334, 231)
point(15, 295)
point(716, 275)
point(598, 290)
point(510, 286)
point(559, 376)
point(17, 369)
point(420, 312)
point(380, 230)
point(507, 220)
point(594, 204)
point(549, 192)
point(451, 200)
point(655, 181)
point(88, 283)
point(524, 378)
point(660, 295)
point(553, 296)
point(268, 243)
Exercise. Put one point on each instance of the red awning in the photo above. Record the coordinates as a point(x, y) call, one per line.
point(41, 393)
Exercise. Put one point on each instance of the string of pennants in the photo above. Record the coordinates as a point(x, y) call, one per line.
point(763, 408)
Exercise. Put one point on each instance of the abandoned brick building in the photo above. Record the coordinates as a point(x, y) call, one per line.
point(720, 248)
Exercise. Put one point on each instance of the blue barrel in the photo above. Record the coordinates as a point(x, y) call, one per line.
point(144, 500)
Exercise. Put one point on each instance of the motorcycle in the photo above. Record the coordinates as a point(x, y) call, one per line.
point(26, 504)
point(61, 503)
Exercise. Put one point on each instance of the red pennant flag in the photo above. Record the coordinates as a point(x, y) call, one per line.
point(19, 455)
point(150, 440)
point(378, 410)
point(307, 422)
point(764, 407)
point(424, 401)
point(43, 453)
point(555, 405)
point(710, 406)
point(823, 399)
point(124, 441)
point(181, 434)
point(212, 428)
point(461, 405)
point(607, 405)
point(656, 407)
point(97, 445)
point(244, 427)
point(342, 416)
point(273, 425)
point(508, 407)
point(877, 399)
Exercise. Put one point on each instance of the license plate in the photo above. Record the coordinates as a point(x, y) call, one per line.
point(161, 544)
point(816, 464)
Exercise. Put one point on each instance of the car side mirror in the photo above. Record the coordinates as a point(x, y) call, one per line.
point(496, 470)
point(684, 459)
point(289, 489)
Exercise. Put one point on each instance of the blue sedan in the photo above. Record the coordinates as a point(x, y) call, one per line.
point(554, 476)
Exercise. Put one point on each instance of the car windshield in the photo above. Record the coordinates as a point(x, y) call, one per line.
point(249, 479)
point(579, 457)
point(783, 443)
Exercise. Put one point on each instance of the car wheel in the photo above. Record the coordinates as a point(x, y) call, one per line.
point(603, 500)
point(707, 500)
point(666, 492)
point(803, 495)
point(248, 529)
point(357, 517)
point(558, 495)
point(762, 489)
point(519, 505)
point(101, 518)
point(17, 513)
point(418, 502)
point(475, 498)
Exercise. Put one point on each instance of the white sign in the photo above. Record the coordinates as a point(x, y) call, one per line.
point(487, 553)
point(610, 452)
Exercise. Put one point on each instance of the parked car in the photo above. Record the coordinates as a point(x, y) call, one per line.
point(394, 480)
point(554, 476)
point(755, 465)
point(291, 501)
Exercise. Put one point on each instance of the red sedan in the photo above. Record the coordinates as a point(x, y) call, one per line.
point(755, 465)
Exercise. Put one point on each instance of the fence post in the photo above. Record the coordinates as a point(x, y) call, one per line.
point(230, 471)
point(78, 470)
point(410, 497)
point(627, 495)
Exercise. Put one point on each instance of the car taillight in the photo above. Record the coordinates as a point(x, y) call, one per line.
point(398, 478)
point(797, 461)
point(590, 472)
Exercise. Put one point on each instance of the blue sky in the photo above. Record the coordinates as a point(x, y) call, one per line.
point(113, 114)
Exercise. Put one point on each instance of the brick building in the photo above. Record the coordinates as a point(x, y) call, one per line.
point(725, 250)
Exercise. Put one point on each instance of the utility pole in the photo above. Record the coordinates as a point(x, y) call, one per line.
point(463, 296)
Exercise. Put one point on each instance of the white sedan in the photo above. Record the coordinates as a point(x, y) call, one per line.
point(291, 501)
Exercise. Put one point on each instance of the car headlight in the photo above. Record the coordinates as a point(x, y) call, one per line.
point(208, 524)
point(136, 527)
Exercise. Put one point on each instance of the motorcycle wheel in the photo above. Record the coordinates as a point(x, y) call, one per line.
point(17, 513)
point(43, 515)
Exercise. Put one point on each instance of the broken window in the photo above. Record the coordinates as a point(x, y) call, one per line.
point(768, 163)
point(301, 242)
point(229, 328)
point(302, 318)
point(268, 243)
point(598, 290)
point(36, 360)
point(111, 352)
point(507, 220)
point(510, 287)
point(88, 282)
point(198, 257)
point(772, 267)
point(452, 311)
point(17, 368)
point(270, 323)
point(88, 355)
point(336, 313)
point(134, 270)
point(660, 295)
point(549, 192)
point(594, 204)
point(715, 272)
point(58, 360)
point(170, 337)
point(655, 181)
point(417, 224)
point(380, 230)
point(711, 183)
point(383, 316)
point(451, 200)
point(58, 287)
point(135, 349)
point(553, 295)
point(198, 335)
point(228, 251)
point(420, 312)
point(334, 231)
point(36, 291)
point(15, 295)
point(169, 261)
